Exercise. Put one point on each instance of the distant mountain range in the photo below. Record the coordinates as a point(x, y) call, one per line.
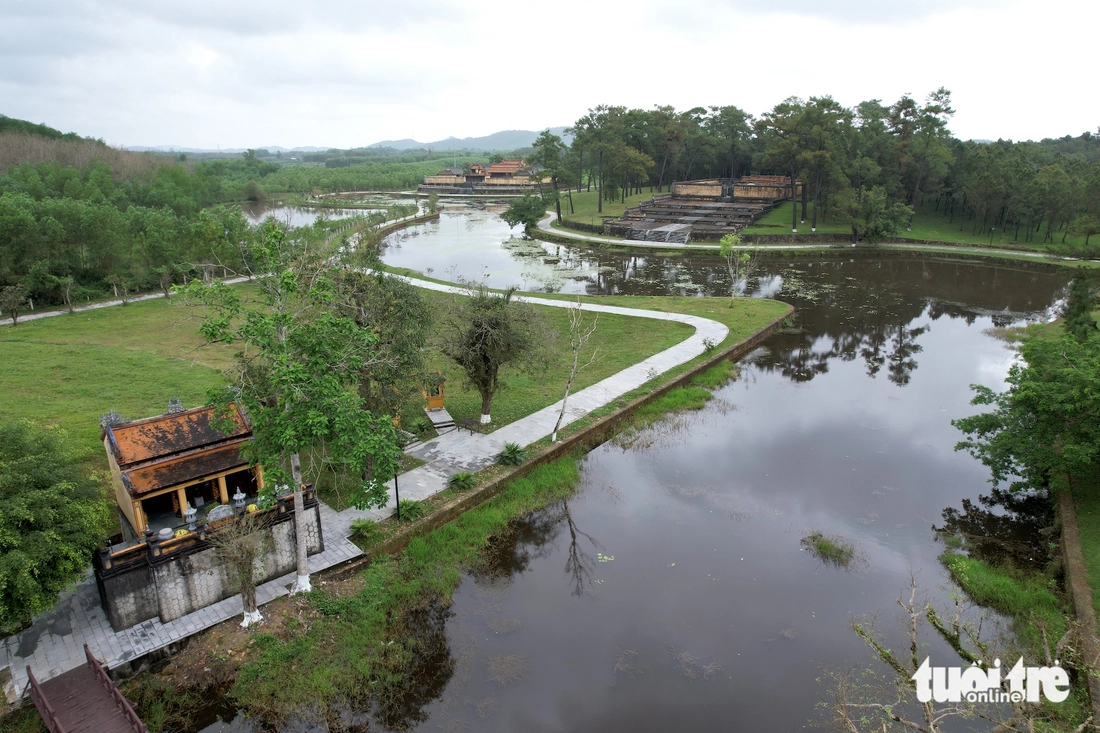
point(504, 140)
point(178, 149)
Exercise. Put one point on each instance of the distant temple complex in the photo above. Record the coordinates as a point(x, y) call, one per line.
point(505, 177)
point(703, 210)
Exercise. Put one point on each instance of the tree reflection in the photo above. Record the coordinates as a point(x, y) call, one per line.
point(430, 667)
point(532, 536)
point(578, 563)
point(901, 358)
point(511, 552)
point(864, 309)
point(1003, 526)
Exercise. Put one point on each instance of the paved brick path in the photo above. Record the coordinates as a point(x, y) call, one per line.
point(54, 644)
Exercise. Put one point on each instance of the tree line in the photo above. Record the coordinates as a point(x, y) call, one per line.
point(871, 166)
point(80, 220)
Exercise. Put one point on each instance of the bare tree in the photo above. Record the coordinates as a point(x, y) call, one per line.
point(741, 263)
point(238, 546)
point(579, 336)
point(873, 702)
point(578, 563)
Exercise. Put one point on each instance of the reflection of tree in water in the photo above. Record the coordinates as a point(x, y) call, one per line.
point(863, 309)
point(426, 674)
point(903, 346)
point(510, 553)
point(1003, 526)
point(531, 536)
point(578, 563)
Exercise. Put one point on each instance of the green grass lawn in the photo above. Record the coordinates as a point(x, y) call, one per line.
point(585, 203)
point(928, 224)
point(744, 318)
point(70, 369)
point(1086, 497)
point(778, 221)
point(619, 342)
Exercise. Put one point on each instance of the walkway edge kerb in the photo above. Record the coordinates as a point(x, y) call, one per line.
point(1080, 592)
point(581, 442)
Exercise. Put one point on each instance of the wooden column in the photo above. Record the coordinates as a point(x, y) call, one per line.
point(139, 519)
point(223, 492)
point(181, 497)
point(259, 478)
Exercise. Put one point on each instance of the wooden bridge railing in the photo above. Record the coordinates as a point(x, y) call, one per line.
point(44, 708)
point(112, 688)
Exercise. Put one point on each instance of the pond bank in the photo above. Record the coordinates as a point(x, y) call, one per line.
point(433, 551)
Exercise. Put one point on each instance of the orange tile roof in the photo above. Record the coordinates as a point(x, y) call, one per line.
point(507, 166)
point(164, 435)
point(163, 451)
point(180, 470)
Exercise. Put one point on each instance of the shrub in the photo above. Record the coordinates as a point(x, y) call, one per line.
point(411, 510)
point(831, 550)
point(512, 455)
point(462, 481)
point(364, 529)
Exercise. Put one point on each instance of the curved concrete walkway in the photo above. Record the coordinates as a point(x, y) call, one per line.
point(460, 450)
point(545, 225)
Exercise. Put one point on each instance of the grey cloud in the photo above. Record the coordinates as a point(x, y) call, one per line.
point(284, 16)
point(875, 12)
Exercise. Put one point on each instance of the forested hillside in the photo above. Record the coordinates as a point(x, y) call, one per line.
point(80, 219)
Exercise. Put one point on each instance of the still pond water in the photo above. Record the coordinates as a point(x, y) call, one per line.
point(297, 216)
point(671, 591)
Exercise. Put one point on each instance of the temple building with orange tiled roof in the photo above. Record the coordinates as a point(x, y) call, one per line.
point(162, 466)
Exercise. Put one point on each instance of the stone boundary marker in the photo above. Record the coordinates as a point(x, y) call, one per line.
point(1077, 584)
point(582, 441)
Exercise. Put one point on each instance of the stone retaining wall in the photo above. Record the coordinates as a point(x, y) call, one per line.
point(1080, 593)
point(177, 584)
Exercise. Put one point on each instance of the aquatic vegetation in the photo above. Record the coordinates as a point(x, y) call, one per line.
point(506, 669)
point(692, 666)
point(831, 549)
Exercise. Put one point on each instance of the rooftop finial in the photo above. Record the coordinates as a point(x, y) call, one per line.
point(111, 418)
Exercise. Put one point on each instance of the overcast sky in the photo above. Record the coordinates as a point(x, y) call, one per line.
point(230, 73)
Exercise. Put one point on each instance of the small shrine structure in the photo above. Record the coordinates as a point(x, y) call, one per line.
point(164, 466)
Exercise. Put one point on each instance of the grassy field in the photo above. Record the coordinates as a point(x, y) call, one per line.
point(585, 203)
point(778, 221)
point(70, 369)
point(619, 342)
point(1086, 497)
point(746, 317)
point(928, 224)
